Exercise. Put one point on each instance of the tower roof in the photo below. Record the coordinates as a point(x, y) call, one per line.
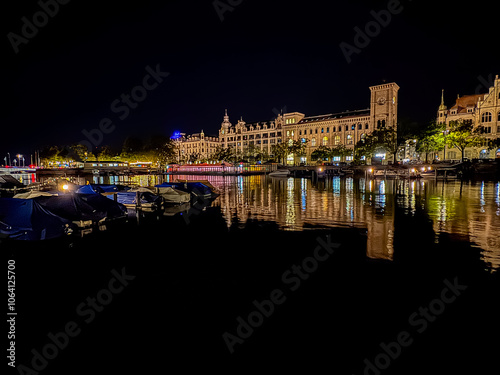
point(442, 107)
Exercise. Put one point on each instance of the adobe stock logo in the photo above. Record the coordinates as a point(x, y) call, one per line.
point(123, 105)
point(293, 278)
point(222, 7)
point(372, 29)
point(420, 320)
point(30, 28)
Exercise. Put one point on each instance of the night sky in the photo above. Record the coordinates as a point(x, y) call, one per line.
point(261, 58)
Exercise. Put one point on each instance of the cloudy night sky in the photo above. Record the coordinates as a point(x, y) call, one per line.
point(260, 58)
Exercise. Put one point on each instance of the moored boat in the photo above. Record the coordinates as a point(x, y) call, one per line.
point(173, 196)
point(280, 173)
point(197, 190)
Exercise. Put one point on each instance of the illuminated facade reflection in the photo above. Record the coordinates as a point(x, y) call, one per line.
point(471, 210)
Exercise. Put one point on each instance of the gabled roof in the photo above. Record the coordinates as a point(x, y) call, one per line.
point(465, 101)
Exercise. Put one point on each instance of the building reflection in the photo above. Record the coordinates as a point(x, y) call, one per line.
point(471, 210)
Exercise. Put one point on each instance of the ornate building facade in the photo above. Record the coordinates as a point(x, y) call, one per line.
point(196, 146)
point(334, 129)
point(242, 137)
point(482, 110)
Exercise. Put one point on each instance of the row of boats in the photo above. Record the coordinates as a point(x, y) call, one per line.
point(82, 209)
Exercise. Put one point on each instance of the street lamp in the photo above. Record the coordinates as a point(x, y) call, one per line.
point(19, 156)
point(8, 153)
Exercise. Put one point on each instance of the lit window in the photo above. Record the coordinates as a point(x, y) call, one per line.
point(313, 142)
point(325, 141)
point(337, 140)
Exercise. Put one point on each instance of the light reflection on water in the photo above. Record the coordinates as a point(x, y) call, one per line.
point(469, 209)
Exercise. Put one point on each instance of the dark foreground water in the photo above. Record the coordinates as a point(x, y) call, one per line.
point(401, 280)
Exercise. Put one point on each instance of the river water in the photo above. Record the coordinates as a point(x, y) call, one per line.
point(469, 211)
point(194, 282)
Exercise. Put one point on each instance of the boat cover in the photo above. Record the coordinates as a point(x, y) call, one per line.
point(196, 188)
point(76, 207)
point(130, 197)
point(27, 219)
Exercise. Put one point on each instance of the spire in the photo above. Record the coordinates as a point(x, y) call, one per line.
point(226, 122)
point(442, 107)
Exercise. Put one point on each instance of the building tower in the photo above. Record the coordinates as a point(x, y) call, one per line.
point(442, 110)
point(224, 130)
point(384, 106)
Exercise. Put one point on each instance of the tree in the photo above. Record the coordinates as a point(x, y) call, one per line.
point(52, 154)
point(106, 153)
point(321, 153)
point(194, 157)
point(383, 140)
point(251, 153)
point(340, 151)
point(222, 153)
point(280, 150)
point(297, 147)
point(431, 139)
point(166, 152)
point(462, 135)
point(80, 153)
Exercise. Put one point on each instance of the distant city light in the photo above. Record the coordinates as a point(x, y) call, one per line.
point(176, 135)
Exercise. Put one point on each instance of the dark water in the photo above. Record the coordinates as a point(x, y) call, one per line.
point(197, 277)
point(469, 210)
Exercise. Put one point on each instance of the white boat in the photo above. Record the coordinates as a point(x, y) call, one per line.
point(280, 173)
point(33, 194)
point(174, 196)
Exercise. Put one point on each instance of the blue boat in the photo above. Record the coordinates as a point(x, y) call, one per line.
point(28, 220)
point(148, 201)
point(83, 207)
point(100, 189)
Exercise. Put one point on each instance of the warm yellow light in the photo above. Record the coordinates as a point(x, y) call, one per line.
point(370, 170)
point(430, 168)
point(321, 169)
point(413, 170)
point(65, 187)
point(423, 169)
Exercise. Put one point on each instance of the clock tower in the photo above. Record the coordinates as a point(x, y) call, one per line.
point(384, 106)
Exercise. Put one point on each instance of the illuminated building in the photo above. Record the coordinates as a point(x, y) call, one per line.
point(260, 136)
point(483, 111)
point(334, 129)
point(194, 147)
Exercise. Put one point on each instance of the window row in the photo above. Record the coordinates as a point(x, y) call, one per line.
point(327, 130)
point(488, 117)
